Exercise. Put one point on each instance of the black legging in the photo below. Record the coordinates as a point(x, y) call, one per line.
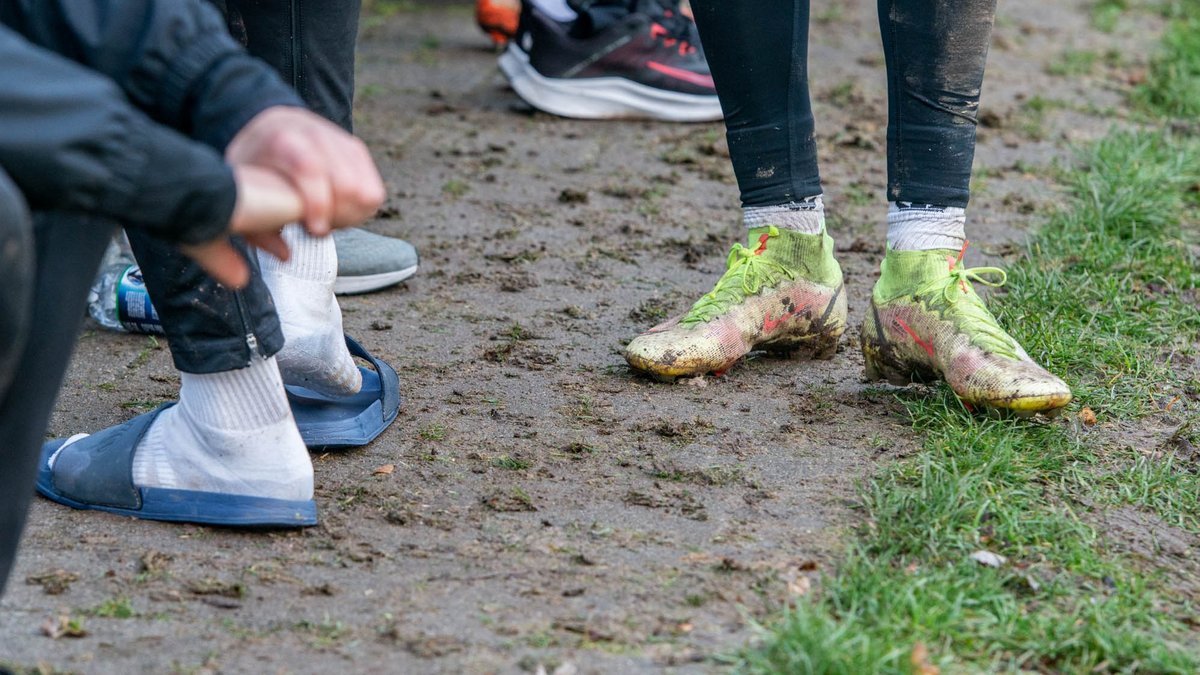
point(57, 267)
point(935, 52)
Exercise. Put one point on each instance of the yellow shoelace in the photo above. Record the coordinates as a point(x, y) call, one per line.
point(972, 317)
point(746, 272)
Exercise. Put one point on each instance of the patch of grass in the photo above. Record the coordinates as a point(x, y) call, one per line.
point(1173, 88)
point(433, 432)
point(1073, 63)
point(1105, 296)
point(511, 463)
point(1106, 13)
point(1162, 485)
point(455, 188)
point(114, 608)
point(322, 635)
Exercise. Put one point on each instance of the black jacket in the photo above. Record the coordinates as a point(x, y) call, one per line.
point(122, 107)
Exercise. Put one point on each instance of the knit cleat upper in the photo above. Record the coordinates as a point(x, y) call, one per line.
point(783, 293)
point(926, 322)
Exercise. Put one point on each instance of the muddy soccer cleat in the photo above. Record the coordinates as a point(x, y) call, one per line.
point(782, 295)
point(926, 322)
point(498, 18)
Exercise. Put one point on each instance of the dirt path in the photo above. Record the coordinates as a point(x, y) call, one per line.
point(547, 507)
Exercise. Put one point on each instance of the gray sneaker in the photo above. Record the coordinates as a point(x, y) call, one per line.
point(368, 261)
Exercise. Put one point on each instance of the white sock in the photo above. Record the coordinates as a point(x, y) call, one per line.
point(314, 352)
point(924, 227)
point(232, 433)
point(558, 10)
point(806, 215)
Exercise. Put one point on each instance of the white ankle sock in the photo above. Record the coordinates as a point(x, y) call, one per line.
point(232, 433)
point(923, 227)
point(806, 215)
point(314, 353)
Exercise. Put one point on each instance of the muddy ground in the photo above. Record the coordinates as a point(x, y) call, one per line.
point(546, 506)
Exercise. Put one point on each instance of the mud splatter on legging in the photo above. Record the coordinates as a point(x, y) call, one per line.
point(935, 52)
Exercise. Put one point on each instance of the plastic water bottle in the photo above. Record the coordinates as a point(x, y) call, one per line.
point(118, 299)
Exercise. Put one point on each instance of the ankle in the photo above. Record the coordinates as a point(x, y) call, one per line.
point(925, 227)
point(806, 215)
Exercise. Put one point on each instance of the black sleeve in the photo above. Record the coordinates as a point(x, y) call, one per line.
point(71, 141)
point(174, 59)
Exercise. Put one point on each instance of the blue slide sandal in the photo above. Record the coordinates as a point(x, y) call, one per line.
point(350, 421)
point(96, 473)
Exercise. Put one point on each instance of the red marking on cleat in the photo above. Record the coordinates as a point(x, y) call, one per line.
point(657, 31)
point(770, 324)
point(955, 261)
point(913, 334)
point(719, 373)
point(762, 244)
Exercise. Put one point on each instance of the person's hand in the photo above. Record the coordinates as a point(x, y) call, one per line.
point(331, 169)
point(265, 203)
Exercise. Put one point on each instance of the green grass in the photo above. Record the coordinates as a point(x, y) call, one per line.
point(1073, 63)
point(1173, 88)
point(1106, 13)
point(1106, 296)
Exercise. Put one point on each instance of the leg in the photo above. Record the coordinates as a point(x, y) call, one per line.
point(758, 53)
point(311, 43)
point(783, 291)
point(209, 328)
point(67, 251)
point(925, 320)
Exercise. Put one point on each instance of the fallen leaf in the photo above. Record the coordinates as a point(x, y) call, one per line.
point(988, 559)
point(385, 470)
point(799, 586)
point(1087, 416)
point(63, 626)
point(920, 660)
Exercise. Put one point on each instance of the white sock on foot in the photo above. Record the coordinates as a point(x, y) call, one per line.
point(314, 354)
point(232, 433)
point(806, 215)
point(924, 227)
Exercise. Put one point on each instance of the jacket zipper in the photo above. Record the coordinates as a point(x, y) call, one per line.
point(251, 338)
point(295, 5)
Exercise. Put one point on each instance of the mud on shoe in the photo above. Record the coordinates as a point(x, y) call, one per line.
point(926, 322)
point(784, 295)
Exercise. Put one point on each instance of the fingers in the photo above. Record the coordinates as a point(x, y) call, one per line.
point(357, 186)
point(312, 179)
point(271, 243)
point(331, 170)
point(222, 261)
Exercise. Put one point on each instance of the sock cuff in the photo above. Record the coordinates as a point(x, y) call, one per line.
point(243, 399)
point(312, 258)
point(806, 215)
point(924, 227)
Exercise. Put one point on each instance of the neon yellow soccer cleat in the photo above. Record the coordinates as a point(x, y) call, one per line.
point(782, 294)
point(926, 322)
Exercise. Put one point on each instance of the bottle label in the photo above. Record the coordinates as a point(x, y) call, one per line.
point(134, 310)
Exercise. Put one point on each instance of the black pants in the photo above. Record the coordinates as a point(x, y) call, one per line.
point(43, 294)
point(935, 52)
point(211, 329)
